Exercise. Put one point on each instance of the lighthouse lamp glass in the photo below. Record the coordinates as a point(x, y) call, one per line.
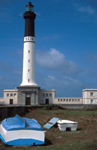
point(29, 8)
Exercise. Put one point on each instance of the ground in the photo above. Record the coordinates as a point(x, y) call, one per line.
point(85, 138)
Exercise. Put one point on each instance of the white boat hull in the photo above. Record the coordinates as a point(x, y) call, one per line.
point(22, 137)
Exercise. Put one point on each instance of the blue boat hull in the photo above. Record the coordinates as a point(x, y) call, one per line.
point(22, 141)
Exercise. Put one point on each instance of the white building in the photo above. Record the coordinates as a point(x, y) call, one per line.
point(89, 96)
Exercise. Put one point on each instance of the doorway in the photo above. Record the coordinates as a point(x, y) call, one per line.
point(11, 101)
point(28, 101)
point(47, 101)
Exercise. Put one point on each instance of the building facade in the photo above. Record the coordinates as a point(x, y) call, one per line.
point(90, 96)
point(31, 96)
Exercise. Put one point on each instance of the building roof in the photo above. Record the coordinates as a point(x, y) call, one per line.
point(44, 90)
point(11, 90)
point(18, 123)
point(89, 90)
point(29, 4)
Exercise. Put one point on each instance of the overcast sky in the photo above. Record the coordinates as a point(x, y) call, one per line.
point(66, 45)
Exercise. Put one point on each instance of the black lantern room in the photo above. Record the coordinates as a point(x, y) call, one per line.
point(29, 17)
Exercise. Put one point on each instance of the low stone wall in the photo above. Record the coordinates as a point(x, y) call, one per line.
point(2, 100)
point(11, 111)
point(79, 106)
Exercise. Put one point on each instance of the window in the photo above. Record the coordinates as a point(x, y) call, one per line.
point(46, 94)
point(66, 100)
point(28, 80)
point(11, 94)
point(7, 94)
point(61, 100)
point(69, 100)
point(14, 94)
point(50, 94)
point(91, 93)
point(43, 94)
point(91, 101)
point(78, 100)
point(72, 100)
point(28, 51)
point(28, 70)
point(28, 60)
point(75, 100)
point(58, 100)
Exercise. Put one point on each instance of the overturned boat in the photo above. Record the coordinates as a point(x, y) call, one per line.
point(21, 131)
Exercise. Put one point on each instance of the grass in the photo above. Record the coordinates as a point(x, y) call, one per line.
point(68, 146)
point(85, 138)
point(82, 112)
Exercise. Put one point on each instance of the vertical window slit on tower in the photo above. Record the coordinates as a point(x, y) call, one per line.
point(28, 80)
point(28, 51)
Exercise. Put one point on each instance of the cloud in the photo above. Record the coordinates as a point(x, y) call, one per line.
point(63, 81)
point(21, 14)
point(55, 60)
point(87, 9)
point(37, 14)
point(64, 85)
point(51, 77)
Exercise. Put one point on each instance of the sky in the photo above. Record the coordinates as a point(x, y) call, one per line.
point(65, 45)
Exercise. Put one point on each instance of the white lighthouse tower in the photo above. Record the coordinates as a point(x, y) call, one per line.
point(28, 91)
point(28, 76)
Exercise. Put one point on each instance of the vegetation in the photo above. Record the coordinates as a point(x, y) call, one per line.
point(85, 138)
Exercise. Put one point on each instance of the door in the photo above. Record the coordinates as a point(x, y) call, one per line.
point(47, 101)
point(27, 101)
point(11, 101)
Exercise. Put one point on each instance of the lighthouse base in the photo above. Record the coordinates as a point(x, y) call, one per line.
point(28, 95)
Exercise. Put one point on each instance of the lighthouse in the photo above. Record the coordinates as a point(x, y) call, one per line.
point(28, 91)
point(28, 75)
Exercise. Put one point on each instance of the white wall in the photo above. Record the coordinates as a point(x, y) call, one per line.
point(11, 94)
point(90, 96)
point(46, 94)
point(2, 100)
point(68, 100)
